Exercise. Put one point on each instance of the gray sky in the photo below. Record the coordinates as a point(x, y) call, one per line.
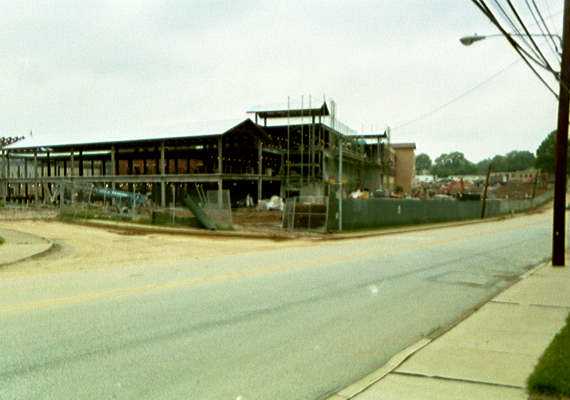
point(75, 68)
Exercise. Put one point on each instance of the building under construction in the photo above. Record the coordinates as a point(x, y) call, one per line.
point(285, 150)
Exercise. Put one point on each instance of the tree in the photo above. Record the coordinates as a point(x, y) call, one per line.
point(519, 160)
point(453, 163)
point(423, 162)
point(500, 163)
point(513, 161)
point(545, 153)
point(483, 166)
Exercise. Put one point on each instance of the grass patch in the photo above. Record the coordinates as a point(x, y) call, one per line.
point(1, 240)
point(552, 374)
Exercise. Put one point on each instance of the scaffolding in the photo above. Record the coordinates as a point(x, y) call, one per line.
point(313, 137)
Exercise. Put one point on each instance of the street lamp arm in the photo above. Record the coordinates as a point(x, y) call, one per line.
point(469, 40)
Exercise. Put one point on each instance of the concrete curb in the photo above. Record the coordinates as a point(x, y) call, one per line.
point(102, 224)
point(279, 236)
point(358, 387)
point(413, 228)
point(43, 251)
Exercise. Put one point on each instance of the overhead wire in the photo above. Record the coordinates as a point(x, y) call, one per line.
point(547, 29)
point(471, 89)
point(520, 36)
point(528, 44)
point(543, 28)
point(530, 37)
point(522, 53)
point(515, 28)
point(527, 38)
point(512, 41)
point(458, 97)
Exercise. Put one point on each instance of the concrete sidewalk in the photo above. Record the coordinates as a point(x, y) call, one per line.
point(487, 356)
point(19, 246)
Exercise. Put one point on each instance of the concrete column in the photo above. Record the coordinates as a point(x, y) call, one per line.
point(7, 155)
point(72, 174)
point(379, 161)
point(71, 169)
point(8, 173)
point(26, 190)
point(162, 172)
point(80, 163)
point(36, 176)
point(130, 168)
point(19, 175)
point(220, 156)
point(220, 193)
point(61, 195)
point(5, 174)
point(113, 165)
point(42, 174)
point(259, 170)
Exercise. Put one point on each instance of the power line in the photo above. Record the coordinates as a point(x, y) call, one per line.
point(536, 15)
point(543, 20)
point(522, 52)
point(516, 30)
point(529, 35)
point(536, 56)
point(520, 49)
point(491, 77)
point(456, 98)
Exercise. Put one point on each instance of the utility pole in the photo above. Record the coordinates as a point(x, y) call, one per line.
point(559, 221)
point(339, 183)
point(535, 183)
point(484, 200)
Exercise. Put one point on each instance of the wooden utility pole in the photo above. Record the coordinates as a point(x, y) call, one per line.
point(339, 183)
point(535, 183)
point(484, 199)
point(559, 221)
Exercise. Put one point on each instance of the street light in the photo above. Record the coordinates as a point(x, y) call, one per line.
point(560, 168)
point(469, 40)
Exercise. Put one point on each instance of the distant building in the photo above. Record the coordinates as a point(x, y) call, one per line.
point(405, 165)
point(289, 149)
point(526, 176)
point(424, 178)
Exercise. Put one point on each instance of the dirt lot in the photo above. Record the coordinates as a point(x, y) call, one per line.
point(82, 248)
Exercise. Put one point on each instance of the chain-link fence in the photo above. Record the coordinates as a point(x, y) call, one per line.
point(306, 212)
point(219, 207)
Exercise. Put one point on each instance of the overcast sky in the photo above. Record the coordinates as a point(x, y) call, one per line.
point(75, 68)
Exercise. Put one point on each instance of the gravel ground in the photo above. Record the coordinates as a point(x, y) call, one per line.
point(83, 248)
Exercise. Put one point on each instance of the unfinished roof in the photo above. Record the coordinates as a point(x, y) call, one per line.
point(411, 146)
point(194, 130)
point(382, 135)
point(293, 108)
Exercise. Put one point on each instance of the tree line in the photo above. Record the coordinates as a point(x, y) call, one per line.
point(455, 163)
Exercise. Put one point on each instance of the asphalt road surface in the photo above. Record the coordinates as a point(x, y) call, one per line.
point(295, 321)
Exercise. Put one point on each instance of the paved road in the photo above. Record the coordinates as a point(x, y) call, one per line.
point(296, 322)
